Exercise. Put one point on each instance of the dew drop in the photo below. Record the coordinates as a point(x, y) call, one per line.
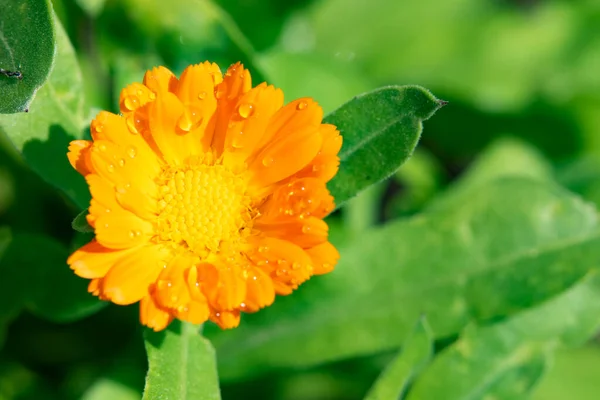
point(296, 265)
point(243, 305)
point(267, 161)
point(122, 162)
point(131, 103)
point(152, 96)
point(184, 123)
point(263, 249)
point(132, 234)
point(111, 168)
point(245, 110)
point(131, 125)
point(237, 141)
point(302, 105)
point(131, 151)
point(306, 229)
point(219, 93)
point(98, 128)
point(102, 147)
point(202, 95)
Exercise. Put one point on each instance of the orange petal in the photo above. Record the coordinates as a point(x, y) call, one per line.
point(122, 229)
point(325, 165)
point(129, 280)
point(134, 97)
point(305, 232)
point(226, 319)
point(274, 163)
point(235, 83)
point(259, 290)
point(285, 262)
point(160, 79)
point(152, 315)
point(248, 122)
point(194, 312)
point(299, 198)
point(94, 260)
point(324, 257)
point(78, 156)
point(296, 115)
point(171, 287)
point(164, 115)
point(133, 147)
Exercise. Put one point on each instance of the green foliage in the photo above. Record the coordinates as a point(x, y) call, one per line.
point(181, 365)
point(453, 265)
point(416, 352)
point(26, 51)
point(380, 131)
point(56, 117)
point(31, 261)
point(471, 274)
point(506, 360)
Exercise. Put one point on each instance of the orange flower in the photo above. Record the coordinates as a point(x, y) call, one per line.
point(208, 196)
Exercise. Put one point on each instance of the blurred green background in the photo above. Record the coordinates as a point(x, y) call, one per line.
point(523, 81)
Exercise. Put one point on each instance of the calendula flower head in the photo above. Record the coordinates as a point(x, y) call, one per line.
point(208, 196)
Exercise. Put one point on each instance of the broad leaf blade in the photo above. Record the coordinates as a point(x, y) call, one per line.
point(416, 352)
point(26, 51)
point(56, 117)
point(181, 365)
point(380, 130)
point(36, 276)
point(485, 360)
point(507, 233)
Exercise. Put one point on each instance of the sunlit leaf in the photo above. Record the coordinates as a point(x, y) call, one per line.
point(181, 365)
point(380, 130)
point(416, 352)
point(504, 361)
point(56, 117)
point(26, 51)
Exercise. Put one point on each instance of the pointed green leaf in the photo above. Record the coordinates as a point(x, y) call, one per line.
point(380, 130)
point(416, 352)
point(56, 117)
point(181, 364)
point(35, 275)
point(26, 51)
point(504, 361)
point(510, 245)
point(80, 223)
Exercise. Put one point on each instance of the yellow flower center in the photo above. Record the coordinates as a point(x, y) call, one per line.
point(203, 207)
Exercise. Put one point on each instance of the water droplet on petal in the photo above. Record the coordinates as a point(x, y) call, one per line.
point(305, 229)
point(102, 147)
point(131, 103)
point(202, 95)
point(152, 96)
point(296, 265)
point(245, 110)
point(131, 125)
point(184, 123)
point(263, 249)
point(98, 128)
point(122, 162)
point(302, 105)
point(237, 141)
point(267, 161)
point(131, 151)
point(111, 168)
point(219, 93)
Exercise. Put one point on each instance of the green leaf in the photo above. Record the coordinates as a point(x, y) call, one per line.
point(506, 157)
point(507, 359)
point(181, 364)
point(56, 117)
point(36, 276)
point(26, 51)
point(574, 374)
point(513, 243)
point(80, 223)
point(416, 352)
point(380, 130)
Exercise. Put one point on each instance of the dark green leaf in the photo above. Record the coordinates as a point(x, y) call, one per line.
point(416, 352)
point(511, 244)
point(507, 359)
point(181, 365)
point(80, 223)
point(26, 51)
point(35, 275)
point(56, 117)
point(380, 130)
